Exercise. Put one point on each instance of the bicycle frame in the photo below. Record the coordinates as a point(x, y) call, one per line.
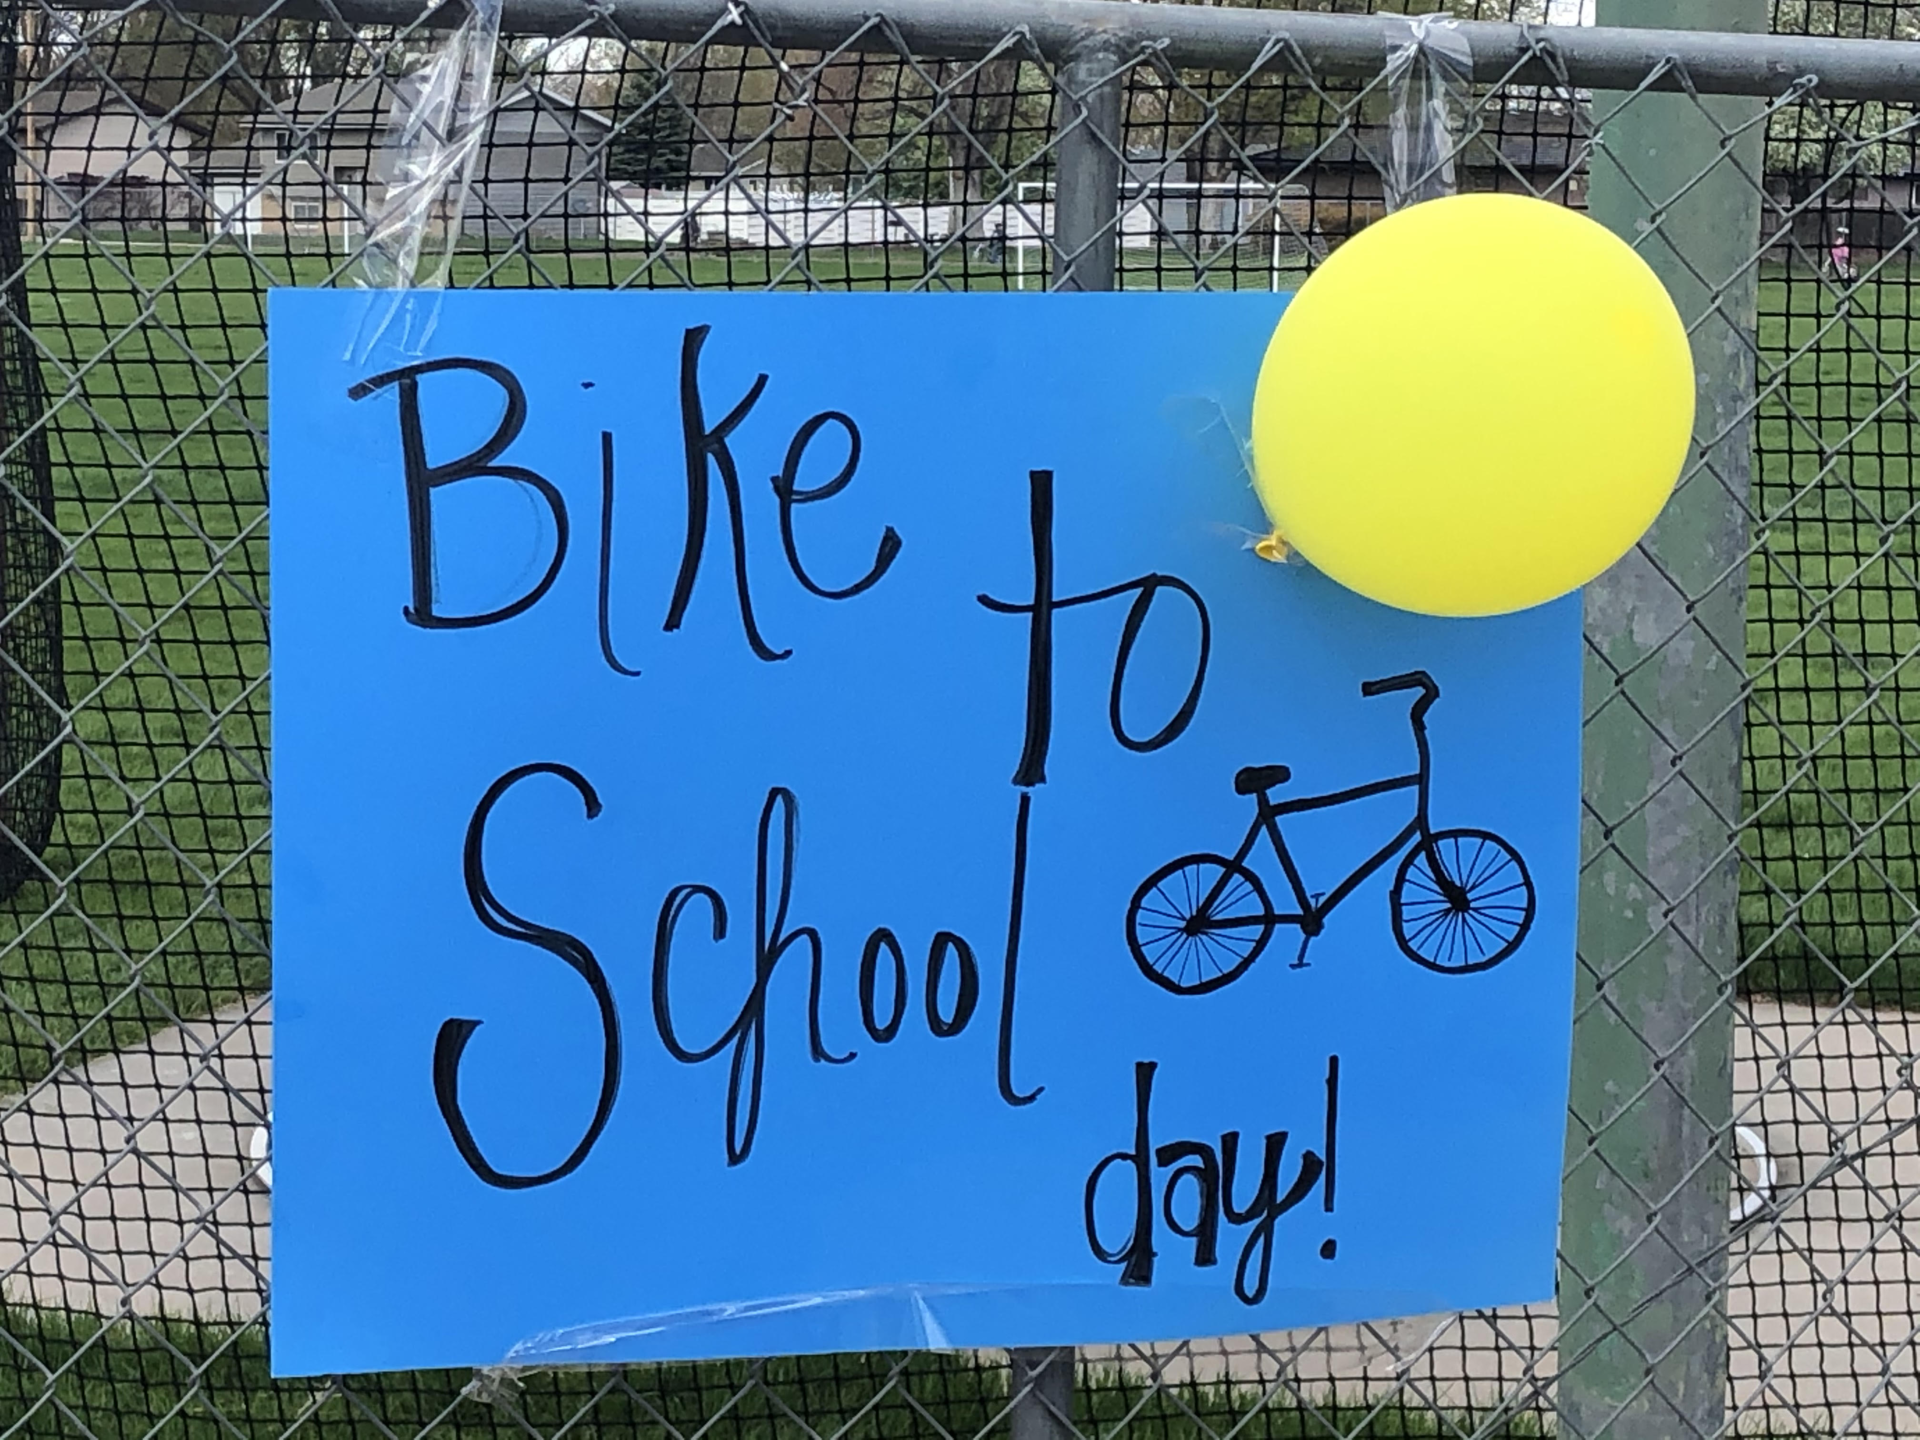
point(1311, 915)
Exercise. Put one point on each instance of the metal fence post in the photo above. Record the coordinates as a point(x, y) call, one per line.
point(1644, 1225)
point(1086, 218)
point(1041, 1383)
point(1086, 195)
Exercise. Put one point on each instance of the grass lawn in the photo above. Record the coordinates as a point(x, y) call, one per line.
point(158, 907)
point(205, 1382)
point(1833, 732)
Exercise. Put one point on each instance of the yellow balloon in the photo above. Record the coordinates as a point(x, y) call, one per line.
point(1476, 405)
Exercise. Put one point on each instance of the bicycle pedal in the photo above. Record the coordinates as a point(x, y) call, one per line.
point(1300, 961)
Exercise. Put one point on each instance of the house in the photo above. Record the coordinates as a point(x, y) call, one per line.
point(541, 169)
point(1876, 203)
point(324, 164)
point(1521, 147)
point(96, 154)
point(251, 193)
point(708, 166)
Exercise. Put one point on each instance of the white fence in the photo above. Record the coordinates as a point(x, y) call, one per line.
point(1203, 216)
point(736, 216)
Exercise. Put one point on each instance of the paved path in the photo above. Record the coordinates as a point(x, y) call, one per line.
point(124, 1186)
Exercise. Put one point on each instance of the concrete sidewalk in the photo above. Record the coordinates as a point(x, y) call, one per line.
point(124, 1185)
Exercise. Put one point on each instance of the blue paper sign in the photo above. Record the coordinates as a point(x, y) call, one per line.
point(802, 824)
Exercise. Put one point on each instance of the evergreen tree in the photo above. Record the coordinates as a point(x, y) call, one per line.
point(654, 148)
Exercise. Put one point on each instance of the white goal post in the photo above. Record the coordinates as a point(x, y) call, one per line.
point(1203, 217)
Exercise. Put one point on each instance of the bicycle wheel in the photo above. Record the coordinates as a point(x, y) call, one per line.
point(1186, 944)
point(1472, 917)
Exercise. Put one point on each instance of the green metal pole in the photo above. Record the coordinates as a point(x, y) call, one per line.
point(1086, 199)
point(1643, 1342)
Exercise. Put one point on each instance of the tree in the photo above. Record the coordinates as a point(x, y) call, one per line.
point(653, 142)
point(973, 115)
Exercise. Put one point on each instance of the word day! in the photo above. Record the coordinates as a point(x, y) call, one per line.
point(1212, 1176)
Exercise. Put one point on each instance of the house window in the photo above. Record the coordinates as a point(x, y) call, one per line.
point(282, 144)
point(349, 174)
point(307, 210)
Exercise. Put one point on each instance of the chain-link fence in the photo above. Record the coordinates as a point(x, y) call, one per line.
point(1743, 1148)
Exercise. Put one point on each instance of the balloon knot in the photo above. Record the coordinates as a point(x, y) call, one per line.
point(1273, 546)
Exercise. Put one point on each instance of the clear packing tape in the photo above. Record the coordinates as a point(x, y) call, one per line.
point(1429, 74)
point(435, 124)
point(1429, 77)
point(434, 128)
point(916, 1317)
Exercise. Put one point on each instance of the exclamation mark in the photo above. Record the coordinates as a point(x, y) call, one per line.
point(1328, 1247)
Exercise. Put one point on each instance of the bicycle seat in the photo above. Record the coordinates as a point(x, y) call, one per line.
point(1257, 779)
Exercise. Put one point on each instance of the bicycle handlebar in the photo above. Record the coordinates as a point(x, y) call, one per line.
point(1413, 680)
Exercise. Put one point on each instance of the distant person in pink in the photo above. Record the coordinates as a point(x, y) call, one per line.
point(1840, 256)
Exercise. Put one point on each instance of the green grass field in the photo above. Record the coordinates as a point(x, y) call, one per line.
point(209, 1382)
point(159, 909)
point(1833, 733)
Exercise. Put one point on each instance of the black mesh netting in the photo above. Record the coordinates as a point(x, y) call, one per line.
point(32, 683)
point(168, 166)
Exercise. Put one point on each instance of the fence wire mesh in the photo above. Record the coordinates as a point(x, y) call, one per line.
point(166, 166)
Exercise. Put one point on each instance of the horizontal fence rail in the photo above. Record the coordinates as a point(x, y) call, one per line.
point(1202, 37)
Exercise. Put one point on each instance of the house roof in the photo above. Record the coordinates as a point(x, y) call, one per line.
point(1524, 150)
point(365, 102)
point(1526, 136)
point(57, 105)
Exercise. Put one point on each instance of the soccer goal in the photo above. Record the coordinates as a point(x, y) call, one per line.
point(1191, 222)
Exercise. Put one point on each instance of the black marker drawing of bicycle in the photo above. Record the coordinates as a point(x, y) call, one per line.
point(1461, 901)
